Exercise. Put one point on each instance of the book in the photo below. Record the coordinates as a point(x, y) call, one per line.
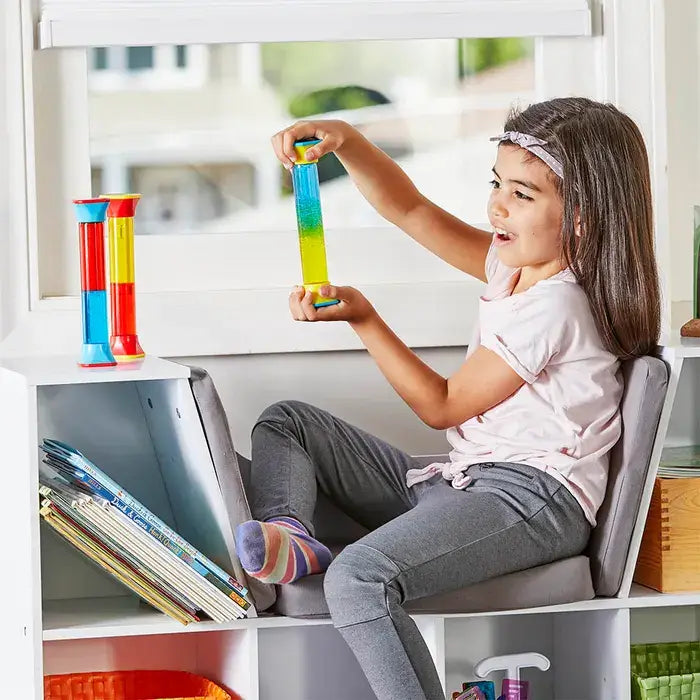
point(74, 466)
point(111, 528)
point(680, 462)
point(79, 478)
point(64, 502)
point(112, 566)
point(118, 533)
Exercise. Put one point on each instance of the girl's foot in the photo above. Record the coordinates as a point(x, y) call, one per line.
point(279, 550)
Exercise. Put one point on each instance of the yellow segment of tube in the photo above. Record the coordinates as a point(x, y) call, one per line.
point(121, 250)
point(313, 259)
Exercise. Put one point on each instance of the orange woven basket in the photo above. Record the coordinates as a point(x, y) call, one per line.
point(133, 685)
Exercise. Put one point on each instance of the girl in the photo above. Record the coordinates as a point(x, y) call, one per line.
point(531, 415)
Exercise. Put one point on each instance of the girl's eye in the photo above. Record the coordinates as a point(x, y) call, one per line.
point(520, 195)
point(494, 184)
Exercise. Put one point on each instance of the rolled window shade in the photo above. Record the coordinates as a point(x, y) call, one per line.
point(74, 23)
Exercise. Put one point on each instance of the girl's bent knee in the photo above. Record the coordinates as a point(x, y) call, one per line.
point(357, 583)
point(358, 567)
point(338, 579)
point(279, 411)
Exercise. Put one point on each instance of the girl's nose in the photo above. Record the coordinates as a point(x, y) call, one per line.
point(498, 211)
point(496, 206)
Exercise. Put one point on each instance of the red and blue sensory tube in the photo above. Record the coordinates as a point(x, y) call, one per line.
point(90, 214)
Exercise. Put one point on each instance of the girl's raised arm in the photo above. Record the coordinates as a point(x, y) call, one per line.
point(391, 192)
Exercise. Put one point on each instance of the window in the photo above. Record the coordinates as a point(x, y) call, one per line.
point(202, 160)
point(216, 249)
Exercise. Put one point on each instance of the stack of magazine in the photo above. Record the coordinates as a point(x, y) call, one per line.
point(127, 540)
point(680, 462)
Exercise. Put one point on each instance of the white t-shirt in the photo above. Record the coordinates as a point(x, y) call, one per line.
point(565, 418)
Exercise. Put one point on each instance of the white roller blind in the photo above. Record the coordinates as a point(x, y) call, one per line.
point(65, 23)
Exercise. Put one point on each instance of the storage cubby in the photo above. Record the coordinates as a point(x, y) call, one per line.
point(684, 426)
point(226, 656)
point(145, 435)
point(665, 624)
point(585, 649)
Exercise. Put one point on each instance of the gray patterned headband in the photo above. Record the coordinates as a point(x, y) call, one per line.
point(535, 146)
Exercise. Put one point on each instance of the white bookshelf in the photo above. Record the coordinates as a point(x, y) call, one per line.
point(141, 425)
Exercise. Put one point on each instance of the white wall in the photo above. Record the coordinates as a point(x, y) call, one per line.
point(4, 141)
point(346, 383)
point(683, 90)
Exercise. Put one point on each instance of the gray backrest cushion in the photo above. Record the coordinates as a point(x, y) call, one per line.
point(225, 459)
point(645, 389)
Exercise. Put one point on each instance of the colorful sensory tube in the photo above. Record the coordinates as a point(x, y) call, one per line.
point(90, 215)
point(312, 246)
point(120, 222)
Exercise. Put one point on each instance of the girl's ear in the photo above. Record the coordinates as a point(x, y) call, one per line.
point(577, 223)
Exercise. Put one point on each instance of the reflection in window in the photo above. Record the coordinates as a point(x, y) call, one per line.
point(199, 152)
point(185, 195)
point(139, 57)
point(99, 61)
point(181, 56)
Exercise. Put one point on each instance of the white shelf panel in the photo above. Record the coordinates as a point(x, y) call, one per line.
point(689, 347)
point(680, 346)
point(91, 618)
point(640, 597)
point(63, 369)
point(643, 597)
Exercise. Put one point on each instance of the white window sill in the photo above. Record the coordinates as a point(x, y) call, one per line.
point(246, 321)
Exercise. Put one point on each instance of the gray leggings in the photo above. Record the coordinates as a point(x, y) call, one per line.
point(424, 540)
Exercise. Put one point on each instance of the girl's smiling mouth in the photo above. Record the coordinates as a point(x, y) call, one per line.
point(502, 237)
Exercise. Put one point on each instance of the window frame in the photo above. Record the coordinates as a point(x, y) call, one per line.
point(69, 23)
point(626, 64)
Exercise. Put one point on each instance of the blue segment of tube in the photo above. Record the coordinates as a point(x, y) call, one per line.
point(96, 350)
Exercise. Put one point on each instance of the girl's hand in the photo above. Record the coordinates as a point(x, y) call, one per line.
point(333, 134)
point(353, 306)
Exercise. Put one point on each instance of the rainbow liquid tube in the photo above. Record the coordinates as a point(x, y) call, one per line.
point(312, 246)
point(90, 214)
point(120, 220)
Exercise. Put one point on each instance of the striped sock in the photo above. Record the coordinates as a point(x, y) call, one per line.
point(279, 550)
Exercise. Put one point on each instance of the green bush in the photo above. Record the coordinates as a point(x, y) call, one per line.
point(476, 55)
point(333, 99)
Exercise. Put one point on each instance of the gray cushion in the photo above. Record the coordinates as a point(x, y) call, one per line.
point(218, 436)
point(560, 582)
point(645, 389)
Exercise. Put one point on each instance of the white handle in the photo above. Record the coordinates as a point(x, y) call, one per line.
point(511, 664)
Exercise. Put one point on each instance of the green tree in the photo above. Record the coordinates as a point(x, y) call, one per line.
point(333, 99)
point(475, 55)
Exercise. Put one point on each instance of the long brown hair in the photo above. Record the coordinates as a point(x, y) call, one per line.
point(606, 187)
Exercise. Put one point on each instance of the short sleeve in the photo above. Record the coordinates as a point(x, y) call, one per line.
point(530, 335)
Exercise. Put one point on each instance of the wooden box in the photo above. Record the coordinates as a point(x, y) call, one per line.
point(669, 557)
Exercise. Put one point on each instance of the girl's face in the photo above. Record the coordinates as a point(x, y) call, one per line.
point(525, 211)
